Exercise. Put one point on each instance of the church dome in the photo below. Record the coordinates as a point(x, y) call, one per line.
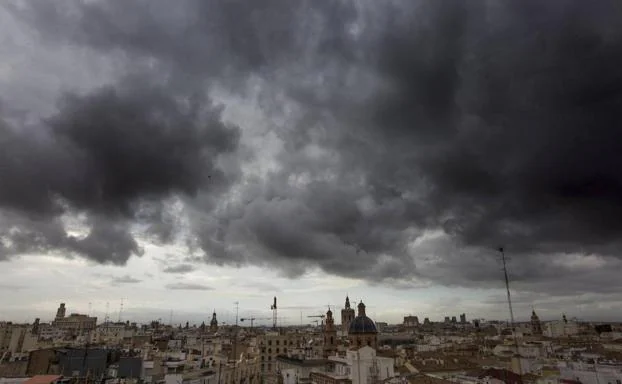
point(361, 323)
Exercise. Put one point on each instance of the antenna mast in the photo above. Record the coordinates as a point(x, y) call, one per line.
point(106, 318)
point(235, 339)
point(235, 331)
point(120, 310)
point(507, 288)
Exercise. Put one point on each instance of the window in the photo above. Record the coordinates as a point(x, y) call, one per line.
point(269, 342)
point(277, 350)
point(277, 342)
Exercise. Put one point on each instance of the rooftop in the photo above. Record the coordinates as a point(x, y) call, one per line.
point(301, 362)
point(42, 379)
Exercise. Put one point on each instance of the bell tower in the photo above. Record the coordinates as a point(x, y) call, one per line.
point(213, 325)
point(536, 327)
point(347, 315)
point(330, 335)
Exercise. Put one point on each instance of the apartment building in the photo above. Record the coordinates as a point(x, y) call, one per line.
point(273, 344)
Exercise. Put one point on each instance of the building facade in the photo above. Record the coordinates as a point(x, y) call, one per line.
point(74, 322)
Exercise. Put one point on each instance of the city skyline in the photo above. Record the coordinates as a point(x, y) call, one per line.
point(152, 295)
point(224, 152)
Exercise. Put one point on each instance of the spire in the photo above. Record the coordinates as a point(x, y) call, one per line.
point(214, 323)
point(347, 302)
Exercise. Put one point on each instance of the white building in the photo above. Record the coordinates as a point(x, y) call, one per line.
point(560, 329)
point(591, 373)
point(361, 366)
point(297, 369)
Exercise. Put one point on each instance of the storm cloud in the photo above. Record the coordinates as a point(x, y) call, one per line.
point(107, 155)
point(414, 138)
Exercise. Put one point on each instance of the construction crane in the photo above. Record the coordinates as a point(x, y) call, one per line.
point(252, 319)
point(317, 321)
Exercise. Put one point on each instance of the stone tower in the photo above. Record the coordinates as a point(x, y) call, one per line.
point(35, 327)
point(536, 327)
point(347, 315)
point(330, 335)
point(213, 325)
point(60, 312)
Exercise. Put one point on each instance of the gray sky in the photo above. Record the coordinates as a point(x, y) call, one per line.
point(189, 157)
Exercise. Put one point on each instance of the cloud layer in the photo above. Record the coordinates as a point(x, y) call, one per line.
point(414, 139)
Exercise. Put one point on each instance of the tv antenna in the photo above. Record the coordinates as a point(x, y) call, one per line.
point(120, 309)
point(507, 288)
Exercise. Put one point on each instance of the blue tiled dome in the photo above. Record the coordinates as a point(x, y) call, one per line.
point(362, 324)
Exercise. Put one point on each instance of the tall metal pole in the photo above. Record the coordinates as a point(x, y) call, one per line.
point(235, 342)
point(507, 288)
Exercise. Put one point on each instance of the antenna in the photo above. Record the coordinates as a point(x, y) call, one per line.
point(235, 332)
point(507, 288)
point(120, 310)
point(106, 318)
point(507, 285)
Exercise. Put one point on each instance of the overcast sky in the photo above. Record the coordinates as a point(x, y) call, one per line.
point(186, 157)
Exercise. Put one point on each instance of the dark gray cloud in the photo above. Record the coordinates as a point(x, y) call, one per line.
point(188, 287)
point(179, 268)
point(126, 279)
point(12, 287)
point(417, 136)
point(112, 155)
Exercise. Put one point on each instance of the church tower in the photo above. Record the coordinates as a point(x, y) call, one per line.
point(536, 327)
point(347, 315)
point(60, 312)
point(330, 335)
point(213, 325)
